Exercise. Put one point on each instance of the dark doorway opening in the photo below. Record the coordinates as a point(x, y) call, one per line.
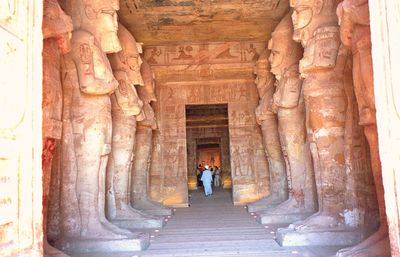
point(207, 139)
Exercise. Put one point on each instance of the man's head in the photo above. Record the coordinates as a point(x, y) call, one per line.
point(265, 78)
point(284, 51)
point(57, 24)
point(206, 167)
point(128, 59)
point(308, 15)
point(98, 17)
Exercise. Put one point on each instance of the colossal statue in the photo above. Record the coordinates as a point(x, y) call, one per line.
point(126, 106)
point(99, 17)
point(315, 26)
point(289, 104)
point(269, 127)
point(142, 157)
point(88, 82)
point(56, 28)
point(355, 33)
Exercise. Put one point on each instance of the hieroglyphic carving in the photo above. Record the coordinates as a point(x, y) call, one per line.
point(198, 54)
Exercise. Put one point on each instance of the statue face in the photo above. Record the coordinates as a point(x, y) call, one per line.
point(100, 19)
point(57, 24)
point(264, 79)
point(276, 57)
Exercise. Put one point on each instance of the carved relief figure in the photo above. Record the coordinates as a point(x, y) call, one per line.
point(183, 55)
point(56, 28)
point(269, 127)
point(252, 50)
point(288, 102)
point(355, 33)
point(154, 53)
point(142, 157)
point(315, 26)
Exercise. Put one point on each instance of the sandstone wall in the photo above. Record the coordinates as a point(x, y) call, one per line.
point(212, 73)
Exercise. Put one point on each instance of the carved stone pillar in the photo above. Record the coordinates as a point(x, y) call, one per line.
point(56, 27)
point(355, 33)
point(288, 102)
point(269, 127)
point(126, 107)
point(322, 66)
point(141, 162)
point(88, 82)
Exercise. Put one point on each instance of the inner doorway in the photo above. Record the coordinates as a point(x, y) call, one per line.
point(207, 139)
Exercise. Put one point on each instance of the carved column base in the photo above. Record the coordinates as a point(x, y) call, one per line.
point(292, 237)
point(77, 245)
point(140, 223)
point(264, 203)
point(284, 218)
point(152, 208)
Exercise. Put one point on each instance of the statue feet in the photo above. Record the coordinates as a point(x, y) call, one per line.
point(287, 207)
point(116, 229)
point(320, 221)
point(126, 212)
point(97, 230)
point(50, 251)
point(372, 244)
point(264, 203)
point(378, 249)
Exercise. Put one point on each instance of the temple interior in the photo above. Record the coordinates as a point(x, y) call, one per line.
point(199, 128)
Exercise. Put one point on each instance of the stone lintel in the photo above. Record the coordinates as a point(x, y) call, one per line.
point(264, 218)
point(77, 245)
point(291, 237)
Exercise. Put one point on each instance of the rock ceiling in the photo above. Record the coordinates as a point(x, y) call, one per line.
point(157, 22)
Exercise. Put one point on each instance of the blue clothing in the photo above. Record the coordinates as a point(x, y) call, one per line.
point(206, 177)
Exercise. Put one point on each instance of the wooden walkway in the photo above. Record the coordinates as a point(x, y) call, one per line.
point(213, 227)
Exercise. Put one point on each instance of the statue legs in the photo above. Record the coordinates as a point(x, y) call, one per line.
point(277, 169)
point(118, 173)
point(378, 243)
point(326, 107)
point(140, 175)
point(301, 202)
point(91, 153)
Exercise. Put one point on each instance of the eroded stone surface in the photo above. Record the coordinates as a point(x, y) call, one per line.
point(56, 27)
point(288, 102)
point(268, 121)
point(355, 33)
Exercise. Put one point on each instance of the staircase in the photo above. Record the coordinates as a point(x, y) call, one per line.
point(213, 227)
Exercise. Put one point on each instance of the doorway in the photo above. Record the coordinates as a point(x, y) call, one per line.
point(207, 139)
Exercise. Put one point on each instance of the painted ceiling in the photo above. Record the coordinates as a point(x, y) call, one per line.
point(159, 22)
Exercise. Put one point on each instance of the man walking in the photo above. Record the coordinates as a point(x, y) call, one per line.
point(206, 177)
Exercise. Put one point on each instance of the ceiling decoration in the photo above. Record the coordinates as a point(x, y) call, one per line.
point(165, 21)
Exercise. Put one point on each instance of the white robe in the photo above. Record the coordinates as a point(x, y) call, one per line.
point(206, 177)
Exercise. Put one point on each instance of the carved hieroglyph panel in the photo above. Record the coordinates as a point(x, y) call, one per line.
point(195, 54)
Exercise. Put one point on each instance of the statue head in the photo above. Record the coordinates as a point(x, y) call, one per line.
point(98, 17)
point(128, 59)
point(352, 14)
point(284, 51)
point(308, 15)
point(264, 78)
point(56, 24)
point(146, 92)
point(90, 60)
